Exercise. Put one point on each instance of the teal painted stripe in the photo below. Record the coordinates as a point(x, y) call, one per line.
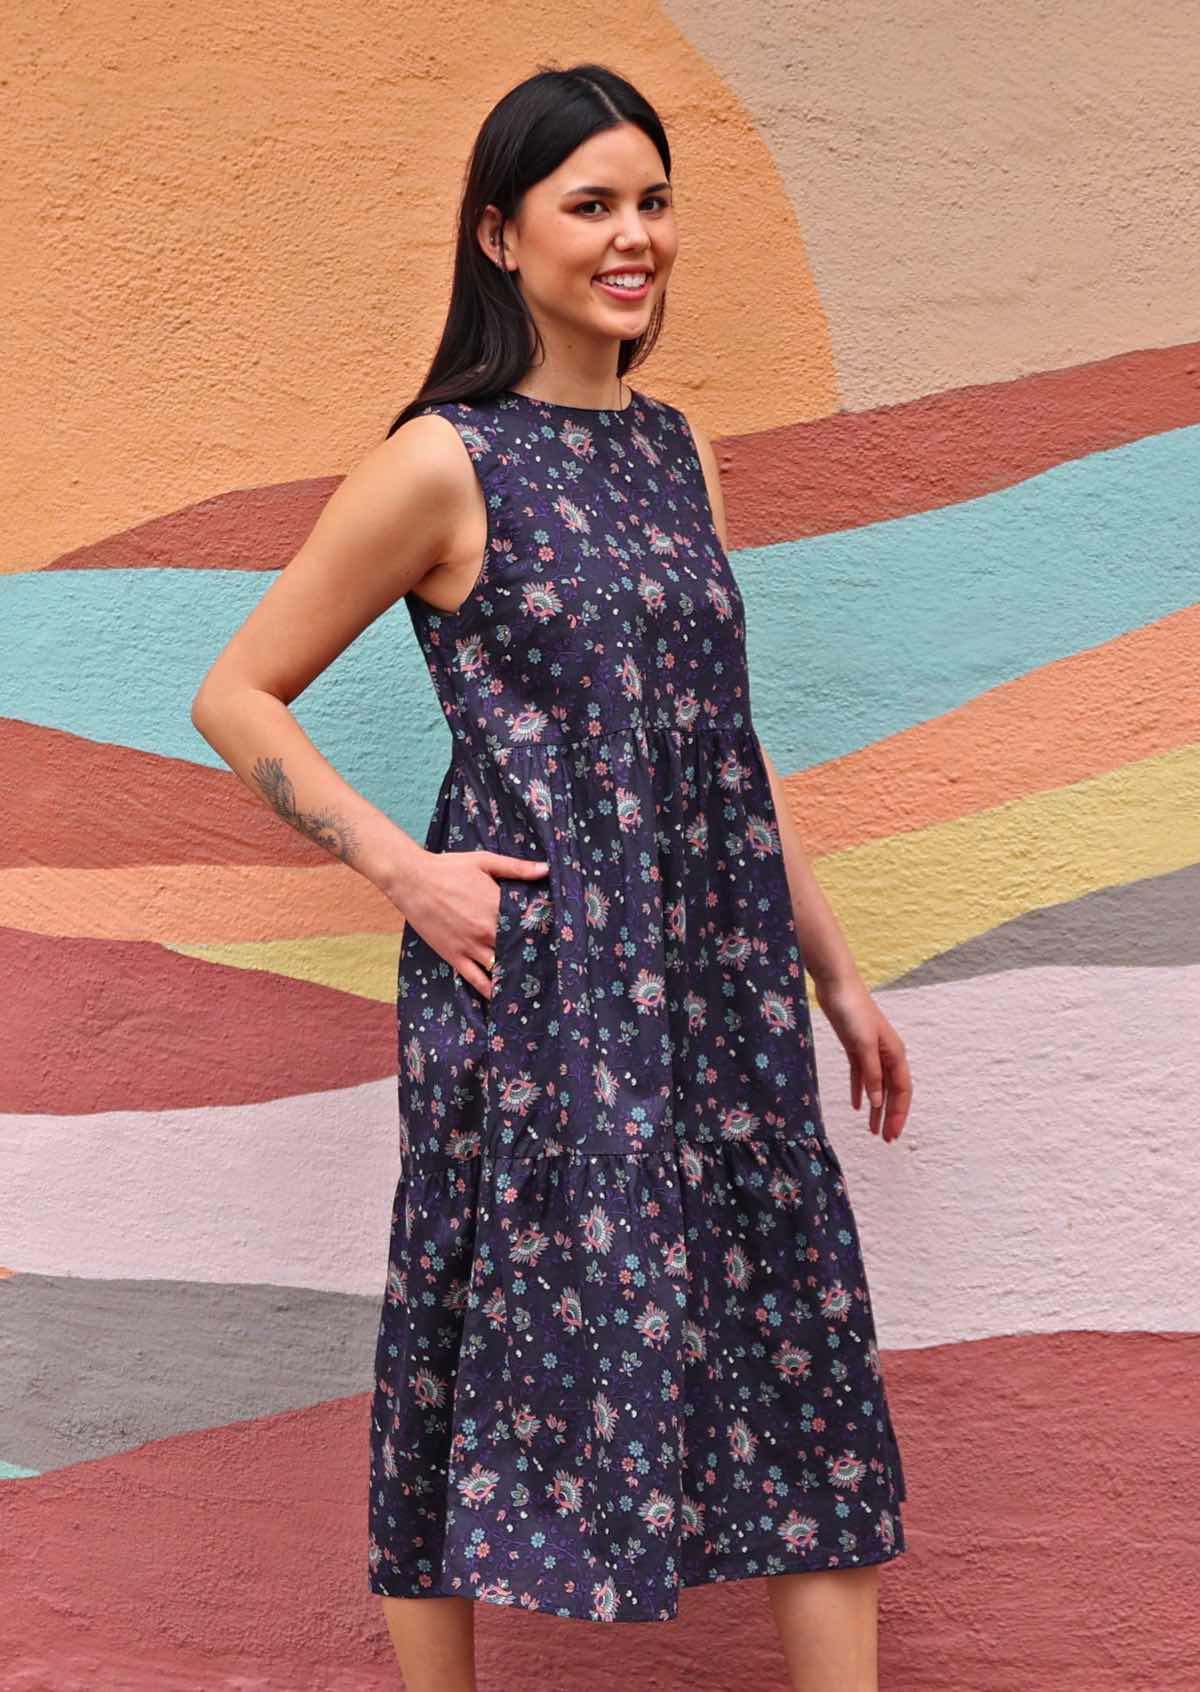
point(857, 635)
point(852, 636)
point(117, 655)
point(13, 1471)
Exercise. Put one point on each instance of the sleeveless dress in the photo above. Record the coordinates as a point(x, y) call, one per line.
point(626, 1341)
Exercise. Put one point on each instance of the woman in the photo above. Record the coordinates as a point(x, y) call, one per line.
point(626, 1341)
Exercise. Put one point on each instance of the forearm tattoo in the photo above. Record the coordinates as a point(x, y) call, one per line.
point(327, 829)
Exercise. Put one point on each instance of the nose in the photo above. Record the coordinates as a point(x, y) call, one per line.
point(633, 235)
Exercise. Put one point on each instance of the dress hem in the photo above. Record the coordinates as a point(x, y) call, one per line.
point(736, 1572)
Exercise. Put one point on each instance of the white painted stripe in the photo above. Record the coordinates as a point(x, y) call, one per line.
point(1048, 1177)
point(1049, 1173)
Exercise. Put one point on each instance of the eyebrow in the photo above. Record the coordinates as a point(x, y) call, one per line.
point(611, 193)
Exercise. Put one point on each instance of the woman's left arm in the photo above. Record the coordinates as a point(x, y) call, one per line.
point(875, 1051)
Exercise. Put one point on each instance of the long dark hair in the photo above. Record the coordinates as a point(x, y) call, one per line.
point(490, 337)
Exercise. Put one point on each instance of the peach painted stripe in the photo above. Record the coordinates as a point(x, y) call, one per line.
point(1079, 717)
point(840, 471)
point(198, 904)
point(891, 895)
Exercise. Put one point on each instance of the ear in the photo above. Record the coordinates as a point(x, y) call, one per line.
point(488, 233)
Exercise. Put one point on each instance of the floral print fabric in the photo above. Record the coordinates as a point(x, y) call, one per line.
point(626, 1341)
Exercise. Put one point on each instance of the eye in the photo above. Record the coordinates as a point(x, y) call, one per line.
point(651, 199)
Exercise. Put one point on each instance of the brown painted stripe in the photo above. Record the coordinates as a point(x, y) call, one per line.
point(88, 804)
point(813, 477)
point(126, 1025)
point(1030, 1466)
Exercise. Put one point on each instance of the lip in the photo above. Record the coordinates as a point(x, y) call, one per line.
point(619, 293)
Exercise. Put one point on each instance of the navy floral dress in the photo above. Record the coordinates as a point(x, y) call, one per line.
point(626, 1342)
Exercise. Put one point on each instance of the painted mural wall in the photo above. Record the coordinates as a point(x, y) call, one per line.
point(936, 302)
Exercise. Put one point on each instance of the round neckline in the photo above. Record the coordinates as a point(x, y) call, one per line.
point(579, 410)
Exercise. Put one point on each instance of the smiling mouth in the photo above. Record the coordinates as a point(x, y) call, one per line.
point(618, 288)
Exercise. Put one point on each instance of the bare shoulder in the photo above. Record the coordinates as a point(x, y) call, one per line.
point(706, 453)
point(428, 451)
point(389, 518)
point(388, 523)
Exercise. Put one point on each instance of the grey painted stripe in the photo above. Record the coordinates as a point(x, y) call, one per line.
point(91, 1367)
point(1151, 922)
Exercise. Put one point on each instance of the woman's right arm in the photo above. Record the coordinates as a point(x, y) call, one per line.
point(386, 525)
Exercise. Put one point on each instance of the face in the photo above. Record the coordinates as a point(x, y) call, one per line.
point(608, 207)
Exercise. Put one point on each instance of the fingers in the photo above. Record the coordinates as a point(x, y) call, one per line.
point(479, 967)
point(871, 1076)
point(897, 1082)
point(899, 1090)
point(882, 1068)
point(480, 972)
point(498, 864)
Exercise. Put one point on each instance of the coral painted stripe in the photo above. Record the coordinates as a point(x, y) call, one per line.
point(1018, 1454)
point(1078, 717)
point(109, 1025)
point(96, 805)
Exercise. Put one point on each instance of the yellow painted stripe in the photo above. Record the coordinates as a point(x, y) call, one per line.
point(364, 964)
point(911, 896)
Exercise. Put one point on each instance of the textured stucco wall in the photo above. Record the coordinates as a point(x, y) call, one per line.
point(936, 302)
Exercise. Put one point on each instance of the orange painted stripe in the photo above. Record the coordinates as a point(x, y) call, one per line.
point(1078, 717)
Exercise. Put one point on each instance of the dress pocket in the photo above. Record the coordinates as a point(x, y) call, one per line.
point(523, 1059)
point(508, 943)
point(523, 970)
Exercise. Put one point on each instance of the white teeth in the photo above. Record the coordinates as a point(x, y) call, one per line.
point(625, 281)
